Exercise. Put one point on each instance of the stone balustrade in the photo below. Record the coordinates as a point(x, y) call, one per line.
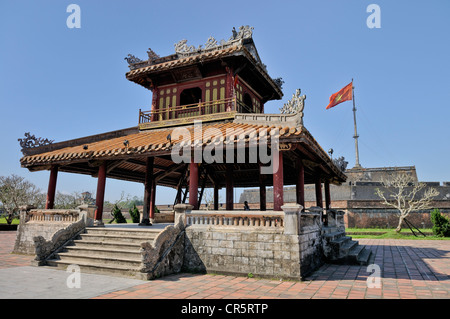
point(235, 218)
point(49, 228)
point(52, 215)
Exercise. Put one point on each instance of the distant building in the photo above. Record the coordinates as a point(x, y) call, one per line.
point(358, 199)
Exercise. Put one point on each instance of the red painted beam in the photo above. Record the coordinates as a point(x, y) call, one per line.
point(300, 186)
point(50, 202)
point(327, 195)
point(193, 184)
point(319, 200)
point(262, 191)
point(229, 187)
point(278, 182)
point(148, 186)
point(100, 197)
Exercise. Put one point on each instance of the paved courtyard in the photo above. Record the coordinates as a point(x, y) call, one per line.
point(408, 269)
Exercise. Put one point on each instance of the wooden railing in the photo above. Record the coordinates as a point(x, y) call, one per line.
point(193, 110)
point(265, 219)
point(53, 215)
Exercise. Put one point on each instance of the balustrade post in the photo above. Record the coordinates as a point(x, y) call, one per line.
point(181, 210)
point(291, 211)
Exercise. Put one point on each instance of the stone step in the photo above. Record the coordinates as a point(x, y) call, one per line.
point(128, 238)
point(132, 262)
point(364, 257)
point(107, 244)
point(332, 236)
point(103, 251)
point(347, 246)
point(129, 232)
point(98, 268)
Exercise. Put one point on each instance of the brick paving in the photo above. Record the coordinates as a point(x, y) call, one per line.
point(418, 269)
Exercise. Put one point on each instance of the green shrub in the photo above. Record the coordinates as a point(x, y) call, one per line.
point(441, 224)
point(134, 213)
point(117, 215)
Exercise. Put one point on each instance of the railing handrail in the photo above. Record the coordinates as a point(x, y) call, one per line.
point(148, 115)
point(183, 107)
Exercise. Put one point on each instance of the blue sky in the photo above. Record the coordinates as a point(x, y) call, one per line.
point(63, 83)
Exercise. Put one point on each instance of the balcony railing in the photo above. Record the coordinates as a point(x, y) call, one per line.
point(194, 110)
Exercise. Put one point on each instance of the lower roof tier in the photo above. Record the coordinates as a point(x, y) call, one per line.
point(125, 153)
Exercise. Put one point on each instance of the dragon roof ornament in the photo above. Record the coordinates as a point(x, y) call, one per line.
point(183, 50)
point(295, 105)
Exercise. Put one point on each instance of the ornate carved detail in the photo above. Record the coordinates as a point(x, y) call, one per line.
point(341, 163)
point(152, 55)
point(31, 141)
point(245, 32)
point(295, 104)
point(279, 82)
point(132, 59)
point(182, 47)
point(211, 43)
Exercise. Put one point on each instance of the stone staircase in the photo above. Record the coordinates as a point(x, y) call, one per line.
point(341, 249)
point(109, 251)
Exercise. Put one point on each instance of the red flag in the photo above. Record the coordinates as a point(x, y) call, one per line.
point(235, 81)
point(344, 94)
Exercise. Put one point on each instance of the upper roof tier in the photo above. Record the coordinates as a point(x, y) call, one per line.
point(237, 55)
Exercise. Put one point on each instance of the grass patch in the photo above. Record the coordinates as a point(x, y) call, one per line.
point(390, 233)
point(15, 221)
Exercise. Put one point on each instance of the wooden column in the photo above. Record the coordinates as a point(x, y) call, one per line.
point(153, 201)
point(262, 191)
point(327, 195)
point(278, 182)
point(193, 184)
point(100, 197)
point(148, 186)
point(51, 187)
point(300, 185)
point(229, 187)
point(216, 197)
point(319, 201)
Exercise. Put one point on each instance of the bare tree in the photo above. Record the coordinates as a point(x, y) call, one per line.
point(406, 195)
point(15, 191)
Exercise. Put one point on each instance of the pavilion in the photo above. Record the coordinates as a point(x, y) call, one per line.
point(213, 97)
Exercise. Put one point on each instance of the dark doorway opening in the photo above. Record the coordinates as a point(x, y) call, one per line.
point(191, 96)
point(248, 105)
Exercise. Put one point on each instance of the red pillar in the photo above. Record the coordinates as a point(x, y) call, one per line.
point(100, 197)
point(153, 201)
point(319, 201)
point(216, 197)
point(193, 184)
point(278, 181)
point(327, 195)
point(300, 186)
point(148, 183)
point(51, 187)
point(229, 187)
point(262, 191)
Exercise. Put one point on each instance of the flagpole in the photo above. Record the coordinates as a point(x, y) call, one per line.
point(357, 165)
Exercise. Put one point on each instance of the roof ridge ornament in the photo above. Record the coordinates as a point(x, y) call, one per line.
point(295, 105)
point(245, 32)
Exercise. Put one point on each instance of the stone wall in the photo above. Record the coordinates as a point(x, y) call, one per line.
point(46, 224)
point(290, 252)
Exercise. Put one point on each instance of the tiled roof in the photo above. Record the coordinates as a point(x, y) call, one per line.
point(203, 57)
point(138, 143)
point(155, 142)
